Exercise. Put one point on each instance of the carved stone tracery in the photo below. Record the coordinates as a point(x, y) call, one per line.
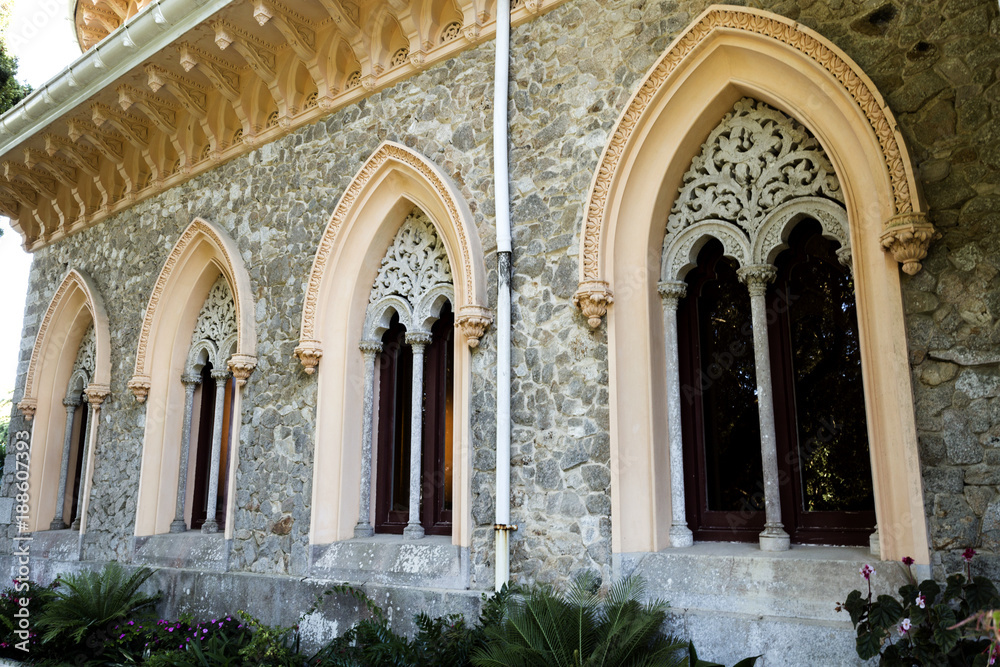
point(215, 330)
point(415, 263)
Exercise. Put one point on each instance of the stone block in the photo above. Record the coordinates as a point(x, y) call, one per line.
point(389, 560)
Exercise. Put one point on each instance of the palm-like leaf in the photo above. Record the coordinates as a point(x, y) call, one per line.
point(93, 600)
point(581, 629)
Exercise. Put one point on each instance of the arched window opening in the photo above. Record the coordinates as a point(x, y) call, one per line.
point(765, 396)
point(821, 427)
point(203, 474)
point(719, 403)
point(409, 329)
point(74, 450)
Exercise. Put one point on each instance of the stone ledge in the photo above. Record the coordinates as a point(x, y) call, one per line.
point(804, 583)
point(62, 545)
point(388, 560)
point(190, 550)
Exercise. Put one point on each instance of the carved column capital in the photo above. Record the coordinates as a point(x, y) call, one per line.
point(757, 277)
point(97, 394)
point(593, 298)
point(241, 366)
point(418, 338)
point(190, 378)
point(370, 347)
point(908, 237)
point(309, 353)
point(140, 385)
point(671, 292)
point(72, 401)
point(473, 322)
point(27, 408)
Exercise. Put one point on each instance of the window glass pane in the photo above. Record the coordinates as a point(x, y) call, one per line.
point(728, 382)
point(834, 464)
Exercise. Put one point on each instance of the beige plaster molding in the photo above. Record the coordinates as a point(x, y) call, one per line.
point(309, 352)
point(473, 321)
point(593, 298)
point(28, 408)
point(765, 24)
point(908, 237)
point(140, 385)
point(97, 394)
point(468, 267)
point(231, 263)
point(74, 281)
point(241, 366)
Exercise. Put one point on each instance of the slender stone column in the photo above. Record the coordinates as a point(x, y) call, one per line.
point(190, 381)
point(71, 403)
point(757, 277)
point(81, 491)
point(211, 525)
point(364, 528)
point(671, 292)
point(418, 340)
point(96, 394)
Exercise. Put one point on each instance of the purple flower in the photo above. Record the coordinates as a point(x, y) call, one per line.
point(867, 571)
point(907, 561)
point(904, 627)
point(968, 554)
point(170, 629)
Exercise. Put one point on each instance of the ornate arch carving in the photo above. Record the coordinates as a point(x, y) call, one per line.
point(680, 252)
point(774, 230)
point(76, 281)
point(472, 315)
point(907, 222)
point(225, 252)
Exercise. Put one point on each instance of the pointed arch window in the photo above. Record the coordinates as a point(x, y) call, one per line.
point(407, 438)
point(208, 404)
point(767, 414)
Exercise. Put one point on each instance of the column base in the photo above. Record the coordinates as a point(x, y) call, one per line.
point(774, 538)
point(874, 545)
point(210, 527)
point(58, 524)
point(178, 526)
point(76, 524)
point(413, 532)
point(680, 536)
point(363, 530)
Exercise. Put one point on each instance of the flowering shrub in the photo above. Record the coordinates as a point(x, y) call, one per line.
point(38, 596)
point(924, 625)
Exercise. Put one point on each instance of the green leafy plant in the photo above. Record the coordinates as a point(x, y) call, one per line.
point(94, 601)
point(921, 626)
point(581, 628)
point(37, 597)
point(693, 660)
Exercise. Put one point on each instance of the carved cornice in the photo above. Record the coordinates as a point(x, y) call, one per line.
point(309, 352)
point(908, 237)
point(28, 407)
point(473, 321)
point(302, 33)
point(97, 394)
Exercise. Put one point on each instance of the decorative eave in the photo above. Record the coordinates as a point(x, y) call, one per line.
point(181, 86)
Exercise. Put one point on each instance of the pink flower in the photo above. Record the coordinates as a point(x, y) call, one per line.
point(921, 601)
point(170, 629)
point(968, 554)
point(907, 561)
point(904, 627)
point(867, 571)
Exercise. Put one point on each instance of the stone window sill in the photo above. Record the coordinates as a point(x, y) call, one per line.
point(56, 544)
point(389, 560)
point(190, 550)
point(724, 577)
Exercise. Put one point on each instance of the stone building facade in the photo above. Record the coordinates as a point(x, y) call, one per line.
point(302, 156)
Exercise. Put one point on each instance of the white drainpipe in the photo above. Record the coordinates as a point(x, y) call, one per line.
point(501, 189)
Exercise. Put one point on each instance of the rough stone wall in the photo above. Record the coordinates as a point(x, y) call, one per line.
point(573, 70)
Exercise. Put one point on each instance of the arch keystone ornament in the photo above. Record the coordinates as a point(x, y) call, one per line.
point(905, 237)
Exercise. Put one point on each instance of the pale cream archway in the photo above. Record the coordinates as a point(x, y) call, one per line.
point(75, 305)
point(203, 252)
point(393, 181)
point(726, 54)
